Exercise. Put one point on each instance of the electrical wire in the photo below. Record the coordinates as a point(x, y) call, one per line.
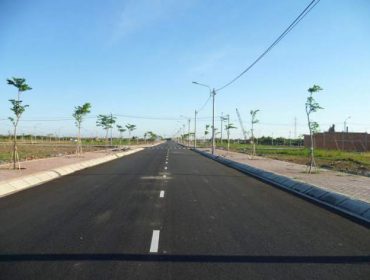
point(204, 105)
point(310, 6)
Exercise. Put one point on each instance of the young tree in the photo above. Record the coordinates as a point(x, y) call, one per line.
point(228, 127)
point(150, 135)
point(206, 131)
point(130, 127)
point(18, 109)
point(222, 119)
point(146, 134)
point(254, 120)
point(79, 113)
point(121, 130)
point(311, 107)
point(106, 122)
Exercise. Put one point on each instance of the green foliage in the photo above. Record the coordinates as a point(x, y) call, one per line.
point(106, 121)
point(312, 106)
point(253, 116)
point(150, 135)
point(206, 131)
point(230, 126)
point(18, 109)
point(314, 126)
point(120, 128)
point(130, 127)
point(19, 83)
point(80, 112)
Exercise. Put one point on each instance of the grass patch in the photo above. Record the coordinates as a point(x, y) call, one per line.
point(349, 162)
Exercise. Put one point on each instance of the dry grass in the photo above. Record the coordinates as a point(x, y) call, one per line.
point(28, 151)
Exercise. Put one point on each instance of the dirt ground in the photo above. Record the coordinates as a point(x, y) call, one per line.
point(42, 150)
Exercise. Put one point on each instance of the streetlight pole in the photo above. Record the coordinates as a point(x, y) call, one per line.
point(189, 133)
point(213, 93)
point(111, 131)
point(195, 129)
point(221, 119)
point(213, 121)
point(183, 133)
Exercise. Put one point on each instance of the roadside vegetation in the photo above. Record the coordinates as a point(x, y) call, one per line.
point(349, 162)
point(43, 147)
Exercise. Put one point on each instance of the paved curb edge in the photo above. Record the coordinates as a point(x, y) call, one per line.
point(12, 186)
point(352, 208)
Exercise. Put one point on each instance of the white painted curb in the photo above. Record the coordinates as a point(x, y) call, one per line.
point(12, 186)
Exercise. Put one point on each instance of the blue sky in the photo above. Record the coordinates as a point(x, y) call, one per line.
point(138, 58)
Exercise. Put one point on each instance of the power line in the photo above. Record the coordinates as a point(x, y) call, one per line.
point(286, 31)
point(204, 105)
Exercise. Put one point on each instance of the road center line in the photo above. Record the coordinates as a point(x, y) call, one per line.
point(155, 242)
point(161, 194)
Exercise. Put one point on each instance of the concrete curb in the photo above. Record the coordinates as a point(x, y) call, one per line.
point(351, 208)
point(12, 186)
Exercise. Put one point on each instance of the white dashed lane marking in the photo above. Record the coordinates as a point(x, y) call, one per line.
point(155, 242)
point(161, 194)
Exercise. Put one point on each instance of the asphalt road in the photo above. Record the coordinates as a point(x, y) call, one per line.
point(139, 217)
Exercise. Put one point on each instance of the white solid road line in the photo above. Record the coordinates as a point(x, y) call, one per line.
point(161, 194)
point(155, 242)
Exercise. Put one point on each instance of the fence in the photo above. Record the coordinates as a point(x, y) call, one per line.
point(345, 141)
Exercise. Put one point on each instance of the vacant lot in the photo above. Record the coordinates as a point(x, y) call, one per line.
point(28, 151)
point(350, 162)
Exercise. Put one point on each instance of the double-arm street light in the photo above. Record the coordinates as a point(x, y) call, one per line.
point(212, 93)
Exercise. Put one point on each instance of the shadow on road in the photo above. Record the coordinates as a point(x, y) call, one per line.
point(185, 258)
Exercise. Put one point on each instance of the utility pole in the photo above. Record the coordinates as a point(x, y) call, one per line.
point(213, 121)
point(195, 129)
point(183, 134)
point(295, 128)
point(213, 93)
point(222, 119)
point(189, 132)
point(111, 130)
point(228, 132)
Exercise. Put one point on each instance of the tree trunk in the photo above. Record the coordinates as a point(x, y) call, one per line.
point(79, 146)
point(15, 147)
point(312, 163)
point(106, 137)
point(228, 139)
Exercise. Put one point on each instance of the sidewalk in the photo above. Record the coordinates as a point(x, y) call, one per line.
point(45, 164)
point(353, 186)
